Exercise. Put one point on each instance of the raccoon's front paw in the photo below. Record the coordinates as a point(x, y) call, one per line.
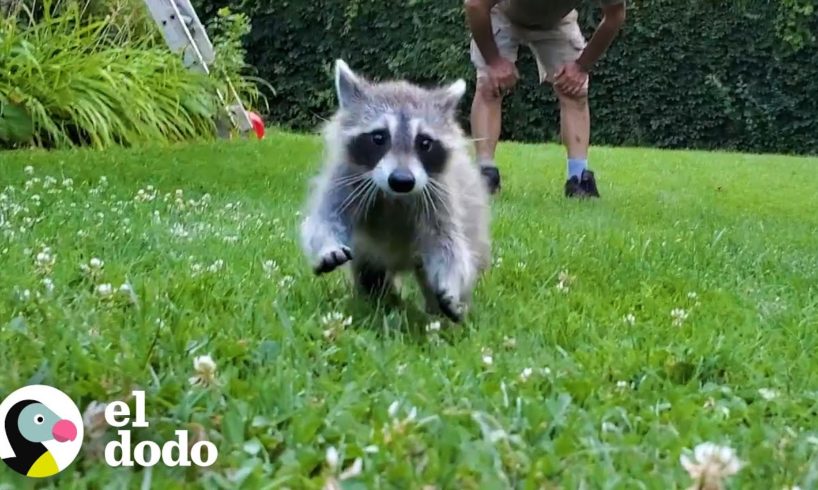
point(450, 307)
point(333, 258)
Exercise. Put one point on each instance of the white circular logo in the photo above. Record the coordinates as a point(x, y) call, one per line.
point(40, 431)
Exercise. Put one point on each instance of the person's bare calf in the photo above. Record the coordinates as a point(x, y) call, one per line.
point(575, 129)
point(486, 118)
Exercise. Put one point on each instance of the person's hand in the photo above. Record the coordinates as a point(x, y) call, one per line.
point(570, 79)
point(502, 75)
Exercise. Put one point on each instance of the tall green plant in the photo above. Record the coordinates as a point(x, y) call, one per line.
point(227, 31)
point(79, 83)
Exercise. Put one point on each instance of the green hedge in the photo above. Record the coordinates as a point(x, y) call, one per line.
point(682, 74)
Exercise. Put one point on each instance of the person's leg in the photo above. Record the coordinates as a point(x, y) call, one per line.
point(486, 109)
point(553, 49)
point(486, 117)
point(575, 131)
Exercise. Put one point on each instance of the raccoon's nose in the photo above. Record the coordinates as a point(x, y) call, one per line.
point(401, 181)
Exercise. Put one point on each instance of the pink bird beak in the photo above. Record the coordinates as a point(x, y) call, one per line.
point(64, 430)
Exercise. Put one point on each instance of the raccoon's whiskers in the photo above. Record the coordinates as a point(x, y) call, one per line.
point(437, 185)
point(353, 196)
point(349, 179)
point(369, 200)
point(440, 192)
point(424, 204)
point(431, 194)
point(361, 205)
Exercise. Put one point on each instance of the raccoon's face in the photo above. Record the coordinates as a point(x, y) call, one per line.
point(400, 134)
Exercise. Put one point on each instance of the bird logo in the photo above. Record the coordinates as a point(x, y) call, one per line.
point(41, 431)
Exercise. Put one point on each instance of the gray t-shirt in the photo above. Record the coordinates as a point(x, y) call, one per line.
point(543, 13)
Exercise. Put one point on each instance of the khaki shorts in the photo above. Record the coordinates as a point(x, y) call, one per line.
point(552, 47)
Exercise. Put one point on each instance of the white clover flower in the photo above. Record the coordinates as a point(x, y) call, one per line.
point(630, 319)
point(205, 371)
point(433, 327)
point(48, 284)
point(335, 317)
point(354, 470)
point(335, 323)
point(270, 267)
point(44, 259)
point(393, 409)
point(768, 394)
point(526, 373)
point(216, 266)
point(565, 280)
point(488, 360)
point(679, 316)
point(178, 230)
point(710, 465)
point(332, 458)
point(29, 170)
point(96, 264)
point(105, 290)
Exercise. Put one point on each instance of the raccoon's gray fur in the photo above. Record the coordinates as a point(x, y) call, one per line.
point(399, 193)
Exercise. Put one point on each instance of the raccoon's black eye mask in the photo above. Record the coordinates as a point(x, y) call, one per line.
point(367, 149)
point(432, 154)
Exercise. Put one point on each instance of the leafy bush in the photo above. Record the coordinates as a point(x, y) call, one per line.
point(692, 73)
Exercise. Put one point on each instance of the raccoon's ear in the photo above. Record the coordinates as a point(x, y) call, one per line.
point(449, 97)
point(349, 87)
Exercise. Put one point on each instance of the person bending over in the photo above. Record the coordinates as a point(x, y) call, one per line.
point(550, 30)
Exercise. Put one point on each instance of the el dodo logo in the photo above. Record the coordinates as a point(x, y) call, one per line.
point(41, 431)
point(148, 453)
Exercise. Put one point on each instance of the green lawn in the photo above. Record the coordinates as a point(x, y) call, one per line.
point(591, 384)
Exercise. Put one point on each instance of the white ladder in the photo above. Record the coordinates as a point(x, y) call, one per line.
point(184, 32)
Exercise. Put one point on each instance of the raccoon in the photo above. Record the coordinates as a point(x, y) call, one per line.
point(398, 193)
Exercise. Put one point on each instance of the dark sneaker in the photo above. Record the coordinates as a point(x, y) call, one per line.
point(573, 189)
point(492, 176)
point(588, 183)
point(582, 187)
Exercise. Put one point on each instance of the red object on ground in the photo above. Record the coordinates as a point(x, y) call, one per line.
point(258, 124)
